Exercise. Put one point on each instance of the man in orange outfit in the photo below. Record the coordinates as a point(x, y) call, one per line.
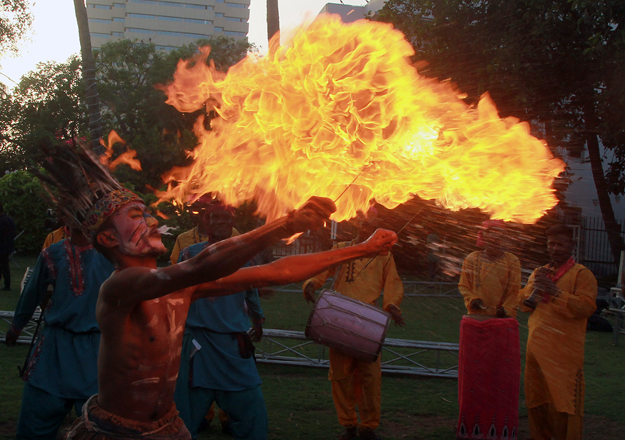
point(491, 279)
point(489, 339)
point(560, 297)
point(354, 381)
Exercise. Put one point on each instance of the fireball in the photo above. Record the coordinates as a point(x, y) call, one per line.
point(340, 111)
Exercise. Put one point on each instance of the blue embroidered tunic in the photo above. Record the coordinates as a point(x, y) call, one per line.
point(64, 361)
point(212, 323)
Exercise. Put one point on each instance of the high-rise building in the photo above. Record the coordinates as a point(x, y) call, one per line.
point(351, 13)
point(168, 24)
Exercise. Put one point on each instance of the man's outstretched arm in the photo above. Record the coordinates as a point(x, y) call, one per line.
point(296, 268)
point(135, 284)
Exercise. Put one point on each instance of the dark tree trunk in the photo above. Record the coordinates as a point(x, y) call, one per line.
point(273, 18)
point(88, 73)
point(607, 212)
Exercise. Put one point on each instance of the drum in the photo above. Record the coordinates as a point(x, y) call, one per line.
point(348, 325)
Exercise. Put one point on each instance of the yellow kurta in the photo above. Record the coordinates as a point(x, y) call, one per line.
point(365, 285)
point(555, 346)
point(356, 382)
point(188, 238)
point(490, 281)
point(55, 236)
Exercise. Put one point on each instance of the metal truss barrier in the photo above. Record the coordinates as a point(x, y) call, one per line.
point(432, 289)
point(277, 347)
point(287, 347)
point(27, 332)
point(411, 289)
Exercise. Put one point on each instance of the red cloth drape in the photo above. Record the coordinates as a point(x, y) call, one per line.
point(489, 373)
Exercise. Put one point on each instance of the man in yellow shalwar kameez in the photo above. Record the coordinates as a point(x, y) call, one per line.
point(199, 234)
point(489, 361)
point(560, 296)
point(55, 236)
point(492, 277)
point(354, 381)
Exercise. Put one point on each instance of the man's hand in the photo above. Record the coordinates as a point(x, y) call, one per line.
point(312, 216)
point(396, 315)
point(11, 338)
point(256, 332)
point(544, 284)
point(380, 242)
point(309, 293)
point(477, 304)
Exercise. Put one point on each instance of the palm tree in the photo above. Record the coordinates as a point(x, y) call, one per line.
point(88, 73)
point(273, 18)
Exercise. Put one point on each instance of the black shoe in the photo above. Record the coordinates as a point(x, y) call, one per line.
point(368, 434)
point(351, 432)
point(226, 428)
point(204, 425)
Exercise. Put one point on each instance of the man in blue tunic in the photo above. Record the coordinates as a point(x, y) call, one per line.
point(217, 363)
point(62, 370)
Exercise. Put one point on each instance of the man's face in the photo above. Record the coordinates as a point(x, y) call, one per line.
point(220, 224)
point(137, 231)
point(366, 224)
point(493, 238)
point(560, 248)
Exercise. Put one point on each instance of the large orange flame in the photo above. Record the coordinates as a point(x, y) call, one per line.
point(341, 102)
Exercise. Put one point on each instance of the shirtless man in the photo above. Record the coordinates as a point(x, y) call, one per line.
point(142, 309)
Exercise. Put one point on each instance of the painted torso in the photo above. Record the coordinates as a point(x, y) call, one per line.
point(140, 360)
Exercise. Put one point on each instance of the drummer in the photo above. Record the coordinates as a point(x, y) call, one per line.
point(354, 381)
point(489, 358)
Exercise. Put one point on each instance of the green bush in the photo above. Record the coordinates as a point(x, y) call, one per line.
point(25, 201)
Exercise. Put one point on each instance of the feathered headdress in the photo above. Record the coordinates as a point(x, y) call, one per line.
point(83, 189)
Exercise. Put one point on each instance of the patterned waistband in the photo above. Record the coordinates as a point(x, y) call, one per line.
point(97, 419)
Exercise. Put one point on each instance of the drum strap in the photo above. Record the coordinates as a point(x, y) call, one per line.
point(337, 274)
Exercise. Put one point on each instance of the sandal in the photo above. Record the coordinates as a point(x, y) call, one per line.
point(351, 432)
point(369, 434)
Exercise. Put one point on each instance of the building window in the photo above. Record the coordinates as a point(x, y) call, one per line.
point(119, 5)
point(195, 20)
point(140, 31)
point(100, 6)
point(239, 20)
point(98, 20)
point(235, 5)
point(165, 18)
point(142, 16)
point(117, 34)
point(218, 14)
point(235, 34)
point(178, 5)
point(119, 20)
point(97, 35)
point(219, 29)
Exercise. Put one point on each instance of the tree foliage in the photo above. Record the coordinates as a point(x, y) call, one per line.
point(556, 63)
point(24, 199)
point(50, 103)
point(46, 103)
point(15, 22)
point(127, 74)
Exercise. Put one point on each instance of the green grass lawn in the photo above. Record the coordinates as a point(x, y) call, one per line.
point(299, 401)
